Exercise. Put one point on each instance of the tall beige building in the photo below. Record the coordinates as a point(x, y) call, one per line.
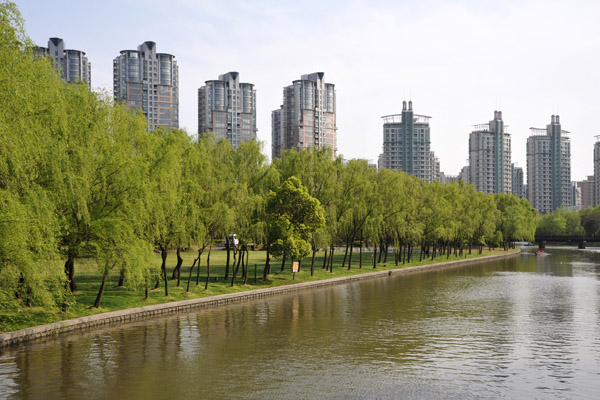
point(227, 108)
point(148, 81)
point(307, 117)
point(587, 189)
point(490, 169)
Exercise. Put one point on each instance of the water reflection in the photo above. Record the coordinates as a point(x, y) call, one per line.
point(521, 327)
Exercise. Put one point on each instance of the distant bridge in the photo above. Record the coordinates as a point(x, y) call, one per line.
point(580, 241)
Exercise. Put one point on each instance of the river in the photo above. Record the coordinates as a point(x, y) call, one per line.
point(522, 327)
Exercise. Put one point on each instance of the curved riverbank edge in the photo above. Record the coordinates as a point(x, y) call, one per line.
point(9, 339)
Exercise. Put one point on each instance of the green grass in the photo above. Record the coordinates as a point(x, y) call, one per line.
point(88, 281)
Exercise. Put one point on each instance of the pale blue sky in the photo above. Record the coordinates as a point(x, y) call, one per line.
point(458, 60)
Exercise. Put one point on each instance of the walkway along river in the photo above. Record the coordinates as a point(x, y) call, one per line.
point(521, 327)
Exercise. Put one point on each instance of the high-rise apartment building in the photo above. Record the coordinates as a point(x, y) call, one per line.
point(463, 175)
point(148, 81)
point(307, 117)
point(517, 181)
point(437, 173)
point(490, 168)
point(406, 143)
point(549, 167)
point(227, 108)
point(73, 65)
point(586, 189)
point(597, 171)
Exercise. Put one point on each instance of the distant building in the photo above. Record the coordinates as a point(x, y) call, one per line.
point(307, 117)
point(597, 171)
point(575, 197)
point(148, 81)
point(406, 144)
point(73, 65)
point(446, 179)
point(586, 190)
point(277, 142)
point(436, 167)
point(517, 181)
point(490, 157)
point(227, 108)
point(463, 175)
point(549, 167)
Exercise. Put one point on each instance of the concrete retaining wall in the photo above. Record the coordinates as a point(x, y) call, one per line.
point(131, 314)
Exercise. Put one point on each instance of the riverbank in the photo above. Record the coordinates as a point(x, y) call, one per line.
point(136, 313)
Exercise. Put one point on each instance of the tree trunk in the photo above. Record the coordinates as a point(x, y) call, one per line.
point(235, 270)
point(198, 270)
point(146, 291)
point(360, 254)
point(345, 255)
point(312, 263)
point(385, 251)
point(163, 255)
point(245, 265)
point(177, 270)
point(350, 258)
point(283, 262)
point(228, 248)
point(325, 259)
point(207, 268)
point(380, 250)
point(331, 258)
point(70, 272)
point(190, 275)
point(375, 257)
point(101, 291)
point(267, 269)
point(121, 278)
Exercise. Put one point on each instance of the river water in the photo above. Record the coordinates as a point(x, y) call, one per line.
point(524, 327)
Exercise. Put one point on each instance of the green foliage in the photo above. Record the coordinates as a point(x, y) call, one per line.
point(293, 215)
point(81, 180)
point(563, 221)
point(590, 220)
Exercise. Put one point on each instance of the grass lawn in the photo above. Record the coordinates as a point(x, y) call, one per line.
point(88, 281)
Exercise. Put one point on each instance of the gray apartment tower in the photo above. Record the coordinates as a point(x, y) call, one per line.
point(549, 167)
point(148, 81)
point(490, 168)
point(227, 108)
point(307, 117)
point(73, 65)
point(517, 182)
point(597, 171)
point(406, 144)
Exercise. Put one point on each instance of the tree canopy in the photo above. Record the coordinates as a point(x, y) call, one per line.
point(82, 177)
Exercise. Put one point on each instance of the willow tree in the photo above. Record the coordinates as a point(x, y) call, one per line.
point(293, 215)
point(31, 105)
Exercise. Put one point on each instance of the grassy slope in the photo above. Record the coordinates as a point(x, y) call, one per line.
point(88, 283)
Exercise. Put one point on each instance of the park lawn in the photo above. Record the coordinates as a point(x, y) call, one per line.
point(88, 278)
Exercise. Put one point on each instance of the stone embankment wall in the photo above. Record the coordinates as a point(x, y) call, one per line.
point(132, 314)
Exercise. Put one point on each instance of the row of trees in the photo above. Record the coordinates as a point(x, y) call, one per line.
point(563, 221)
point(81, 177)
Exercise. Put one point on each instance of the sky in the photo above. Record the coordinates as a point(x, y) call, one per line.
point(458, 61)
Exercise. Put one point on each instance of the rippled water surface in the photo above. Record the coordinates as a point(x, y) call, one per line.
point(524, 327)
